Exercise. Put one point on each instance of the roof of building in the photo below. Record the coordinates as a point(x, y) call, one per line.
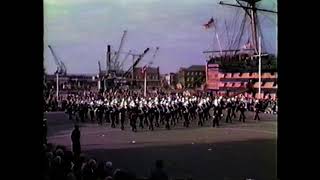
point(197, 68)
point(149, 69)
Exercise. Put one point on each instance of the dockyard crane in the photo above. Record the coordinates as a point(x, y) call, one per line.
point(136, 62)
point(61, 68)
point(124, 60)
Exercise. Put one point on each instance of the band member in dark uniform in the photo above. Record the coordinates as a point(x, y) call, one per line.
point(100, 114)
point(123, 117)
point(75, 137)
point(91, 112)
point(145, 112)
point(113, 116)
point(107, 113)
point(257, 108)
point(151, 117)
point(157, 116)
point(233, 109)
point(85, 111)
point(167, 116)
point(200, 113)
point(69, 111)
point(216, 118)
point(186, 116)
point(117, 113)
point(229, 109)
point(133, 119)
point(141, 117)
point(242, 110)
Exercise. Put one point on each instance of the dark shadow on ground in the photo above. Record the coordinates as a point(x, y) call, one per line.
point(58, 123)
point(254, 159)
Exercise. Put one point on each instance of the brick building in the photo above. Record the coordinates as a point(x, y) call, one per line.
point(192, 77)
point(153, 77)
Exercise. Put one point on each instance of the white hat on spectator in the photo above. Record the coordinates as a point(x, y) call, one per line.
point(109, 164)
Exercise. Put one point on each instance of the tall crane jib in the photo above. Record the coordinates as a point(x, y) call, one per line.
point(61, 67)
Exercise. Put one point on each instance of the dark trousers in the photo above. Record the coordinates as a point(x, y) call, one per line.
point(228, 118)
point(133, 124)
point(70, 115)
point(141, 117)
point(113, 119)
point(117, 118)
point(256, 116)
point(167, 121)
point(173, 120)
point(91, 115)
point(107, 117)
point(200, 122)
point(151, 123)
point(215, 121)
point(157, 117)
point(146, 120)
point(122, 122)
point(233, 115)
point(186, 120)
point(242, 117)
point(76, 148)
point(162, 117)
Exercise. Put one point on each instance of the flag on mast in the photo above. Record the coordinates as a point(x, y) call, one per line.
point(143, 70)
point(209, 24)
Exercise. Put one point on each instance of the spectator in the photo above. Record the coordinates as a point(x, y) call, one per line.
point(109, 168)
point(159, 173)
point(75, 137)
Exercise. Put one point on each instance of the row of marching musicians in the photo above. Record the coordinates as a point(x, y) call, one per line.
point(157, 112)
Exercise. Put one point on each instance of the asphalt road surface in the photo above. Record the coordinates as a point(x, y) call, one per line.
point(232, 151)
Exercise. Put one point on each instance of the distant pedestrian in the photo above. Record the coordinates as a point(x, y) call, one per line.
point(75, 137)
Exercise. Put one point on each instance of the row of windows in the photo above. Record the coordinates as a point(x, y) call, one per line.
point(148, 77)
point(192, 79)
point(194, 73)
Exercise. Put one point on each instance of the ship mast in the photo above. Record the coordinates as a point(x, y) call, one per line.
point(251, 11)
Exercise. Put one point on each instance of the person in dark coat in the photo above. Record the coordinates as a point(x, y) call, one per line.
point(257, 108)
point(100, 114)
point(157, 116)
point(229, 110)
point(133, 119)
point(141, 117)
point(242, 109)
point(91, 112)
point(69, 111)
point(201, 117)
point(113, 116)
point(123, 117)
point(233, 109)
point(158, 173)
point(186, 117)
point(75, 137)
point(151, 117)
point(167, 116)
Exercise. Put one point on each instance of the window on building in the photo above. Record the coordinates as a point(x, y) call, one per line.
point(192, 79)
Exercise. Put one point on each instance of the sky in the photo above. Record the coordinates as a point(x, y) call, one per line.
point(80, 30)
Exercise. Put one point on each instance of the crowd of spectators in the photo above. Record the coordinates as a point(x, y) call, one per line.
point(59, 163)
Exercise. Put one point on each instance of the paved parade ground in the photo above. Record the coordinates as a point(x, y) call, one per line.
point(232, 151)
